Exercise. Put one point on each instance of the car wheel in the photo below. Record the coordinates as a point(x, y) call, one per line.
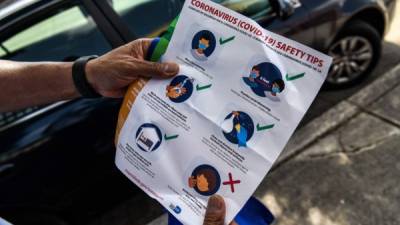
point(355, 53)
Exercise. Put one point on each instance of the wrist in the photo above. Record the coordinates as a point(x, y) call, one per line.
point(91, 72)
point(83, 77)
point(69, 90)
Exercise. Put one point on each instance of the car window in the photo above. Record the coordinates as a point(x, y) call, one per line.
point(151, 17)
point(61, 37)
point(147, 17)
point(251, 8)
point(2, 51)
point(64, 35)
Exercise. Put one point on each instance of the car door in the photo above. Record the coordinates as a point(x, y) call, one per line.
point(57, 161)
point(295, 26)
point(150, 18)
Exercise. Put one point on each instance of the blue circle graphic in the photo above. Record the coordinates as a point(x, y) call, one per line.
point(203, 45)
point(180, 89)
point(242, 128)
point(265, 78)
point(212, 177)
point(148, 137)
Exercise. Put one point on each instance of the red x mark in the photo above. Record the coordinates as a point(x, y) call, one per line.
point(231, 182)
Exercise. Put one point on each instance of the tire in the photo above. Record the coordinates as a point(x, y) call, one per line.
point(358, 56)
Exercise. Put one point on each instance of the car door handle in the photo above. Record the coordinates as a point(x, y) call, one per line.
point(6, 169)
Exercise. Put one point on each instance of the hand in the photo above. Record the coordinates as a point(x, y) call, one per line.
point(216, 209)
point(192, 182)
point(111, 73)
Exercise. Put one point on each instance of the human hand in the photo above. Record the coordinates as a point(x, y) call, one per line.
point(192, 182)
point(111, 73)
point(215, 213)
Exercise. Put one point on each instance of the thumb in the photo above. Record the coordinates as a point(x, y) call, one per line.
point(156, 69)
point(215, 213)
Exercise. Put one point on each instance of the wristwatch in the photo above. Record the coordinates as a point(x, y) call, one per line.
point(80, 80)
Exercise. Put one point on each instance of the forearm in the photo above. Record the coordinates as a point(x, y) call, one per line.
point(30, 84)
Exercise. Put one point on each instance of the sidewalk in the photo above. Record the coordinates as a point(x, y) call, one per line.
point(342, 168)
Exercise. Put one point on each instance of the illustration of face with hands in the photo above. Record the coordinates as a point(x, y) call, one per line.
point(200, 182)
point(205, 180)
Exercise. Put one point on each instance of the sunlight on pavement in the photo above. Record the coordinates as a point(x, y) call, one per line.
point(343, 159)
point(394, 32)
point(316, 217)
point(272, 203)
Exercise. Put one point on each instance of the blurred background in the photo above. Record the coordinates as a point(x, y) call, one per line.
point(340, 167)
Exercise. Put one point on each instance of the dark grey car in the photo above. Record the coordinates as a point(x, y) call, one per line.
point(351, 31)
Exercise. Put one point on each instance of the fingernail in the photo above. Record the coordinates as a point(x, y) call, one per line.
point(215, 203)
point(171, 68)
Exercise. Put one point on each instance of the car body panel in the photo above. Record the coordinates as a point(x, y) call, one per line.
point(329, 17)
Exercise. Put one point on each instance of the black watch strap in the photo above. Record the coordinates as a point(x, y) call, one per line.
point(80, 79)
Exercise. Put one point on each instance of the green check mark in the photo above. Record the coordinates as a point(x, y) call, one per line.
point(224, 41)
point(267, 127)
point(167, 138)
point(294, 77)
point(200, 88)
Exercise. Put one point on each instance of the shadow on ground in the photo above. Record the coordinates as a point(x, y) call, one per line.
point(348, 177)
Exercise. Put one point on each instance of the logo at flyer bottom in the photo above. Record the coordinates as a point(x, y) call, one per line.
point(175, 208)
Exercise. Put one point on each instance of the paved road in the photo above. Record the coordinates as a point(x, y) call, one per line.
point(350, 174)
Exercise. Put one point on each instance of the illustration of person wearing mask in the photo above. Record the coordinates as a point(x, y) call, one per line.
point(203, 45)
point(265, 78)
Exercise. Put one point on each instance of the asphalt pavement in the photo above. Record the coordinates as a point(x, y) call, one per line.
point(347, 171)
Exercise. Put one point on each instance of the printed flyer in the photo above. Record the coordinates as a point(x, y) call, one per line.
point(219, 125)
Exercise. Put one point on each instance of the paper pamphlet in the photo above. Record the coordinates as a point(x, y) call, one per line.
point(219, 125)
